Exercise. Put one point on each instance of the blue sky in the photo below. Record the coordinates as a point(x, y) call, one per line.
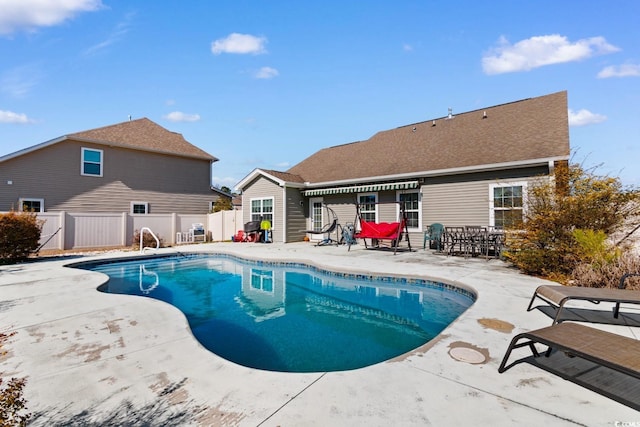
point(268, 83)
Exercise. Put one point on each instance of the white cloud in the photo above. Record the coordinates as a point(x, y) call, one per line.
point(227, 181)
point(539, 51)
point(11, 117)
point(30, 14)
point(239, 43)
point(407, 47)
point(266, 73)
point(19, 81)
point(625, 70)
point(178, 116)
point(584, 117)
point(282, 165)
point(117, 34)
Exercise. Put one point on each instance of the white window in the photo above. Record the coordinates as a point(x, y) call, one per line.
point(92, 161)
point(31, 205)
point(262, 280)
point(368, 206)
point(412, 206)
point(139, 207)
point(262, 209)
point(507, 204)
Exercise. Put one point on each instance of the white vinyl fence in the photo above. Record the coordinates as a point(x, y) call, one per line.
point(66, 230)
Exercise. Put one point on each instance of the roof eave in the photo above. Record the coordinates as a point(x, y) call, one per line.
point(222, 193)
point(45, 144)
point(32, 148)
point(441, 172)
point(137, 148)
point(260, 172)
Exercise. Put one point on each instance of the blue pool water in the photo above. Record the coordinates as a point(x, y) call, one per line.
point(290, 317)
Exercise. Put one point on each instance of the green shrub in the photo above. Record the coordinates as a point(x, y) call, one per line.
point(12, 402)
point(19, 236)
point(593, 246)
point(222, 204)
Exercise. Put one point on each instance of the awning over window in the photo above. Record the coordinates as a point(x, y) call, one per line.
point(406, 185)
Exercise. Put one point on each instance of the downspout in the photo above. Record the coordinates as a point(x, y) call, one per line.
point(284, 214)
point(211, 162)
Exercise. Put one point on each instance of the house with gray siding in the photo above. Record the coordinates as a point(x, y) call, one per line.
point(471, 168)
point(137, 167)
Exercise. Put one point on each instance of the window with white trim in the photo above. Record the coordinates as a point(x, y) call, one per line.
point(262, 280)
point(262, 209)
point(507, 204)
point(139, 207)
point(31, 205)
point(92, 162)
point(368, 206)
point(412, 206)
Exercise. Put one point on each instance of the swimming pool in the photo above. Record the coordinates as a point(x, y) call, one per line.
point(289, 316)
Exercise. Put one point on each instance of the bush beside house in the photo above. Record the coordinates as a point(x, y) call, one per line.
point(19, 236)
point(567, 233)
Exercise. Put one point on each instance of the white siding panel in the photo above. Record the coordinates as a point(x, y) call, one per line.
point(50, 231)
point(224, 224)
point(96, 230)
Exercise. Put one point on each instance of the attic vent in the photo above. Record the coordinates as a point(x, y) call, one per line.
point(450, 114)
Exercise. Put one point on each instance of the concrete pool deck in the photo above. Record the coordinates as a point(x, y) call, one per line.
point(105, 359)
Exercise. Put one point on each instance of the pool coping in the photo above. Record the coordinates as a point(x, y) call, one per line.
point(408, 280)
point(100, 355)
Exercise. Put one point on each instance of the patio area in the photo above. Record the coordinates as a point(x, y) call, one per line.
point(106, 359)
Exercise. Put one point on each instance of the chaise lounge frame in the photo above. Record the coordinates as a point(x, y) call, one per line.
point(559, 295)
point(603, 349)
point(613, 351)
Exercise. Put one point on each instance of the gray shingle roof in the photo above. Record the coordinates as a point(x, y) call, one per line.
point(284, 176)
point(534, 128)
point(143, 134)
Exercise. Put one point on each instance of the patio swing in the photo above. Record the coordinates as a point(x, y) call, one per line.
point(381, 231)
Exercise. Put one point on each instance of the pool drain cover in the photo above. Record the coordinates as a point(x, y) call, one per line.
point(466, 354)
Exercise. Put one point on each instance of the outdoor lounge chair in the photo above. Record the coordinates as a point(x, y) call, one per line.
point(604, 348)
point(584, 343)
point(327, 229)
point(433, 234)
point(559, 295)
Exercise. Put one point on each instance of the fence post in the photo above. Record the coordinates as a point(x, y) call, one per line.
point(63, 230)
point(123, 229)
point(174, 228)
